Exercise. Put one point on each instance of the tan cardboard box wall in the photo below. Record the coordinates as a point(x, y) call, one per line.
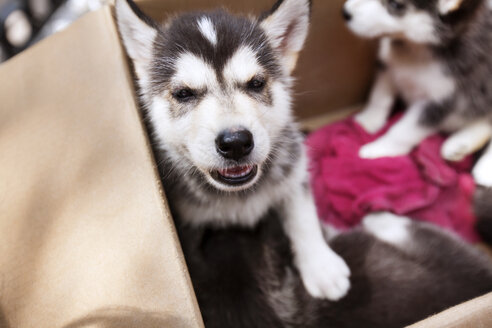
point(87, 239)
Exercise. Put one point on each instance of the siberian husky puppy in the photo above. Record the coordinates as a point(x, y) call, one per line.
point(216, 89)
point(216, 92)
point(435, 54)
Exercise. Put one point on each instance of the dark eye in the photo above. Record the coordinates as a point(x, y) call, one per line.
point(256, 84)
point(183, 95)
point(397, 5)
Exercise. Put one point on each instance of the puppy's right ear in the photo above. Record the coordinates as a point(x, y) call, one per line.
point(286, 26)
point(138, 33)
point(446, 7)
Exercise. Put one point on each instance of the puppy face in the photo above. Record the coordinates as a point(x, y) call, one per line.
point(420, 21)
point(217, 87)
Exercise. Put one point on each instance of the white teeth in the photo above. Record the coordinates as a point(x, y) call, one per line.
point(236, 172)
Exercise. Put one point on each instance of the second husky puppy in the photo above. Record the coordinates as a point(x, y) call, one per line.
point(435, 54)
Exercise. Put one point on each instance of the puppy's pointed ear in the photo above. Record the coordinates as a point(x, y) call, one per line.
point(446, 7)
point(138, 33)
point(286, 26)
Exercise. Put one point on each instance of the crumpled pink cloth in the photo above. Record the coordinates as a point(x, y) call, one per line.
point(421, 185)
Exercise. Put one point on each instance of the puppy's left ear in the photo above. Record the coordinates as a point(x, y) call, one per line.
point(446, 7)
point(286, 26)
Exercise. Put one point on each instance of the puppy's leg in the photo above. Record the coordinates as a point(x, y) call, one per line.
point(402, 137)
point(373, 117)
point(466, 141)
point(482, 172)
point(323, 272)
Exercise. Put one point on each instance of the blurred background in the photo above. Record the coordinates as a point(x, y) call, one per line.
point(25, 22)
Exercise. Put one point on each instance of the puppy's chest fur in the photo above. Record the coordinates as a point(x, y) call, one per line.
point(455, 76)
point(415, 73)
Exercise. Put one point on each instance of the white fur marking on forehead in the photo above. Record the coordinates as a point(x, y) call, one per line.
point(193, 72)
point(242, 66)
point(207, 29)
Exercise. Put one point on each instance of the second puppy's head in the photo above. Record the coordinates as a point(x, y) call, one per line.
point(216, 86)
point(420, 21)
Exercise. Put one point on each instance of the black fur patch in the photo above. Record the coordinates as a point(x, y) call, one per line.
point(428, 5)
point(483, 212)
point(381, 66)
point(224, 264)
point(466, 50)
point(464, 14)
point(237, 274)
point(435, 113)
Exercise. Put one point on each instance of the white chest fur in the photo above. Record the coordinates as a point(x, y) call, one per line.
point(414, 72)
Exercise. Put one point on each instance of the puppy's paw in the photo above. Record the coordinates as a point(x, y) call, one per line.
point(326, 275)
point(383, 148)
point(370, 122)
point(466, 141)
point(454, 150)
point(482, 172)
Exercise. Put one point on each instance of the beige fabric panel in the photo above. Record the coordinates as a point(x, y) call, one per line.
point(476, 313)
point(335, 69)
point(87, 240)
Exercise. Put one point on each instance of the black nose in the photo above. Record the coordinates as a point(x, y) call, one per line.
point(346, 15)
point(234, 144)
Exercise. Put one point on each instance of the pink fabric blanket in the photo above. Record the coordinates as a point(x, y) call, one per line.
point(421, 185)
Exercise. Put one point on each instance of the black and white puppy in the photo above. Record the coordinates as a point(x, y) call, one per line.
point(216, 92)
point(216, 89)
point(435, 54)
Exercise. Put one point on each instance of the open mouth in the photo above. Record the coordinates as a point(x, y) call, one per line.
point(236, 175)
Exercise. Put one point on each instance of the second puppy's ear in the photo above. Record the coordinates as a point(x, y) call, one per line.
point(138, 33)
point(286, 26)
point(446, 7)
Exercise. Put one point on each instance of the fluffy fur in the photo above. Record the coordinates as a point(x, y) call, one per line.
point(255, 250)
point(199, 75)
point(247, 278)
point(483, 210)
point(435, 56)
